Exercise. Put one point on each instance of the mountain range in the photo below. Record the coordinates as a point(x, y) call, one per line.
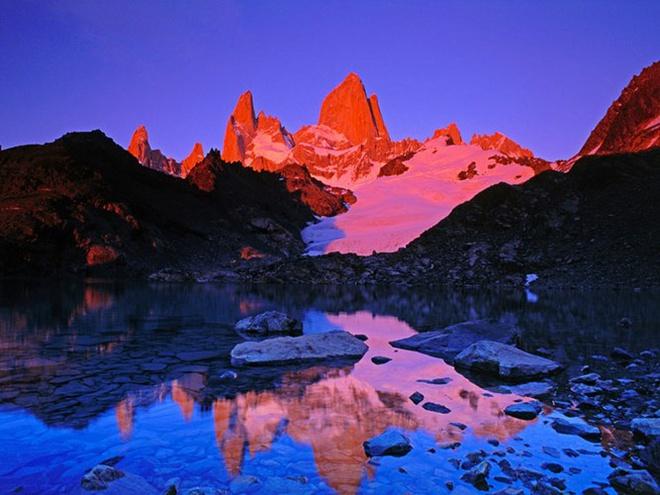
point(83, 204)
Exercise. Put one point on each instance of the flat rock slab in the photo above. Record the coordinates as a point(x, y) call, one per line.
point(450, 341)
point(529, 389)
point(505, 361)
point(390, 442)
point(576, 427)
point(292, 350)
point(199, 355)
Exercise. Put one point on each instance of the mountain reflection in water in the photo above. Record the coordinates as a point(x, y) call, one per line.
point(99, 366)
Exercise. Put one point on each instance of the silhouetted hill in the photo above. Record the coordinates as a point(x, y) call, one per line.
point(84, 204)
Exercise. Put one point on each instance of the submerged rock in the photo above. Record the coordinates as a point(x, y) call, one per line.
point(111, 481)
point(524, 410)
point(530, 389)
point(505, 361)
point(576, 427)
point(478, 476)
point(390, 442)
point(291, 350)
point(450, 341)
point(268, 324)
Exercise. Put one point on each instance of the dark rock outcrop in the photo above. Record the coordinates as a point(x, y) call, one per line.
point(83, 204)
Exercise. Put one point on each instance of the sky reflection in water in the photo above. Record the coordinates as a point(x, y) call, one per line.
point(94, 373)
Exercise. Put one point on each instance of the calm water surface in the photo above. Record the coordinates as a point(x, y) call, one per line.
point(90, 371)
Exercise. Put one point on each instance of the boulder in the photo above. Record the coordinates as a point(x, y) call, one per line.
point(268, 324)
point(524, 410)
point(450, 341)
point(633, 482)
point(648, 428)
point(505, 361)
point(292, 350)
point(390, 442)
point(576, 427)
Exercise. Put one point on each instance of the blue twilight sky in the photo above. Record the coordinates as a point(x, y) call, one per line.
point(542, 72)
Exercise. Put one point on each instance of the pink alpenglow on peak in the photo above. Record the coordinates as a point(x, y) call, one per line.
point(240, 130)
point(195, 156)
point(349, 144)
point(392, 210)
point(451, 132)
point(348, 110)
point(501, 143)
point(632, 123)
point(139, 147)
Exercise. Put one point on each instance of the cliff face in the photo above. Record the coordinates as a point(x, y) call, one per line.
point(632, 123)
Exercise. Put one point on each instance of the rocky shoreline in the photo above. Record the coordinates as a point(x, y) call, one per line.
point(610, 401)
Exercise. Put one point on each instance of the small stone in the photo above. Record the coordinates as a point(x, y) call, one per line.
point(416, 397)
point(437, 408)
point(553, 467)
point(436, 381)
point(621, 354)
point(588, 379)
point(361, 336)
point(524, 410)
point(227, 375)
point(391, 442)
point(99, 477)
point(380, 359)
point(478, 476)
point(460, 426)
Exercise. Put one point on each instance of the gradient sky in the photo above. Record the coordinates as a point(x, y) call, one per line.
point(543, 73)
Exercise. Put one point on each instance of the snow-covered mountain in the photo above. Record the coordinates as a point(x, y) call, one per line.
point(402, 187)
point(393, 210)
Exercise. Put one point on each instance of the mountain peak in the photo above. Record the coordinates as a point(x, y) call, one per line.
point(451, 132)
point(500, 142)
point(243, 113)
point(195, 156)
point(632, 123)
point(139, 145)
point(241, 126)
point(347, 110)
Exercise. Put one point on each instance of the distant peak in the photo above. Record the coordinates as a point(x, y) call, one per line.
point(140, 133)
point(452, 132)
point(632, 123)
point(347, 110)
point(244, 111)
point(500, 142)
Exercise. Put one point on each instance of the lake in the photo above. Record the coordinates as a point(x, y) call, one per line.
point(136, 374)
